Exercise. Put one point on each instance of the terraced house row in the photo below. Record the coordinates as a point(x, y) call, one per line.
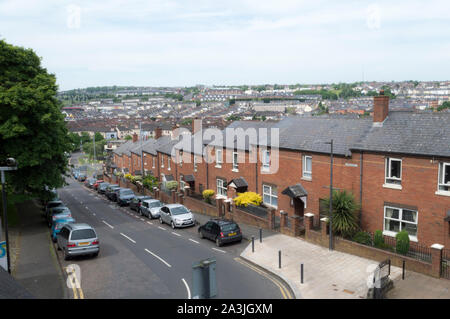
point(396, 164)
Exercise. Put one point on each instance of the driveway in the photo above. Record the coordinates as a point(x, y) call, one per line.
point(327, 274)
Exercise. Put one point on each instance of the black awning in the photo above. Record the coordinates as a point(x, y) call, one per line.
point(238, 182)
point(295, 191)
point(189, 178)
point(447, 219)
point(137, 172)
point(169, 178)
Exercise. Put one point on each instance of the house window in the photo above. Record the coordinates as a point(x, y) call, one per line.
point(169, 159)
point(218, 158)
point(444, 177)
point(235, 161)
point(270, 195)
point(162, 161)
point(266, 160)
point(181, 158)
point(221, 187)
point(307, 167)
point(393, 171)
point(195, 163)
point(398, 219)
point(182, 183)
point(154, 161)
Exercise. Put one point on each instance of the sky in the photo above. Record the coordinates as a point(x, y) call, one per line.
point(233, 42)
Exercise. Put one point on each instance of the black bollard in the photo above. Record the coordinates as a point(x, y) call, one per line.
point(260, 235)
point(279, 259)
point(301, 273)
point(253, 244)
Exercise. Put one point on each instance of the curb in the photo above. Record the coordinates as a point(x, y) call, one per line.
point(295, 293)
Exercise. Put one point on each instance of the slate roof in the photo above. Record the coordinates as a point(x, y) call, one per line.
point(295, 191)
point(409, 133)
point(165, 144)
point(239, 182)
point(124, 147)
point(189, 178)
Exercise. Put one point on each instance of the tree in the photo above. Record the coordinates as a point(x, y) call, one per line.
point(32, 128)
point(128, 138)
point(345, 208)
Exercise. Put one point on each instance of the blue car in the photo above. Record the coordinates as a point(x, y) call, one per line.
point(58, 224)
point(63, 215)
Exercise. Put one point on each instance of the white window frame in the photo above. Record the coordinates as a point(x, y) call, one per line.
point(220, 188)
point(169, 159)
point(235, 162)
point(181, 158)
point(387, 169)
point(162, 160)
point(441, 175)
point(219, 158)
point(305, 173)
point(400, 220)
point(195, 163)
point(266, 164)
point(153, 161)
point(182, 183)
point(271, 196)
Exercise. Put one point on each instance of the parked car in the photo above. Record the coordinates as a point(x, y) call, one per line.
point(102, 187)
point(52, 204)
point(56, 227)
point(81, 177)
point(176, 215)
point(150, 208)
point(78, 239)
point(221, 231)
point(64, 214)
point(124, 196)
point(75, 173)
point(97, 183)
point(55, 211)
point(109, 190)
point(89, 182)
point(115, 194)
point(136, 202)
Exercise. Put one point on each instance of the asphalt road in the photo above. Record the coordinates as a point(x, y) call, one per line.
point(140, 258)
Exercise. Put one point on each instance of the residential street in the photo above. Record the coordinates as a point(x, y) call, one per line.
point(139, 258)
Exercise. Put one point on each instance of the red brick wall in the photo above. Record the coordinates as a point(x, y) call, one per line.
point(200, 207)
point(419, 184)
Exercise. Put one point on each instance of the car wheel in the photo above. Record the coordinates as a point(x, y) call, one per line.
point(218, 243)
point(66, 256)
point(95, 254)
point(172, 224)
point(160, 220)
point(200, 234)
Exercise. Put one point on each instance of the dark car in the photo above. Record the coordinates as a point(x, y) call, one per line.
point(81, 177)
point(124, 196)
point(115, 194)
point(136, 202)
point(55, 211)
point(51, 204)
point(221, 231)
point(90, 182)
point(109, 192)
point(102, 187)
point(97, 183)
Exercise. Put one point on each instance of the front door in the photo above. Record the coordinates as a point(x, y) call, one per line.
point(299, 207)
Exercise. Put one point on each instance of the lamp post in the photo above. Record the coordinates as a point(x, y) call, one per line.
point(11, 166)
point(331, 195)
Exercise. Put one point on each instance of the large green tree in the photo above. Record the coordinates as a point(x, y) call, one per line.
point(32, 128)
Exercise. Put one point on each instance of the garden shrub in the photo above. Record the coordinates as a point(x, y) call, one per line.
point(150, 181)
point(378, 239)
point(243, 199)
point(207, 195)
point(402, 242)
point(171, 185)
point(363, 237)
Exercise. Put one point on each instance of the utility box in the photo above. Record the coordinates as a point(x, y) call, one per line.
point(204, 279)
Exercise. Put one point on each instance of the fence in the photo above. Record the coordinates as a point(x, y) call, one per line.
point(445, 264)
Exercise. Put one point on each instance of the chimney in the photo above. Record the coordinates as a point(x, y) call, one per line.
point(380, 107)
point(175, 132)
point(158, 132)
point(135, 138)
point(196, 125)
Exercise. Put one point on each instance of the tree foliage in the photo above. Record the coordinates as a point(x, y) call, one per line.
point(345, 208)
point(32, 128)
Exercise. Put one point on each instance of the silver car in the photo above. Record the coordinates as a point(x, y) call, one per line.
point(176, 215)
point(78, 239)
point(150, 208)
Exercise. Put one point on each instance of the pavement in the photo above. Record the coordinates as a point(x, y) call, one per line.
point(419, 286)
point(36, 267)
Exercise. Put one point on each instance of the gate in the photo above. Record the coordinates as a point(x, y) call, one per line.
point(276, 223)
point(445, 264)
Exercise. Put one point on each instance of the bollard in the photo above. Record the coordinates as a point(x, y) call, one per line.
point(389, 269)
point(253, 244)
point(403, 270)
point(301, 273)
point(260, 235)
point(279, 259)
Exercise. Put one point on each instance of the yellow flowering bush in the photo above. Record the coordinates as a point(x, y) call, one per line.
point(243, 199)
point(128, 176)
point(207, 195)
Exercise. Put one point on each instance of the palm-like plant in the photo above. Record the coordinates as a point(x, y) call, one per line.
point(345, 209)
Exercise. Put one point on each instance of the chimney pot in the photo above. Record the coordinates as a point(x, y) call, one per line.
point(380, 107)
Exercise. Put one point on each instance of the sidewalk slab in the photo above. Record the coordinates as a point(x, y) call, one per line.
point(327, 274)
point(36, 267)
point(419, 286)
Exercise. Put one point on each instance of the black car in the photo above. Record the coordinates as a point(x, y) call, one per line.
point(110, 191)
point(102, 187)
point(81, 177)
point(115, 194)
point(124, 196)
point(221, 231)
point(90, 182)
point(136, 202)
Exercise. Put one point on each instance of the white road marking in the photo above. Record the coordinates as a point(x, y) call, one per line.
point(112, 227)
point(150, 223)
point(194, 241)
point(128, 238)
point(162, 260)
point(143, 219)
point(222, 251)
point(161, 228)
point(187, 288)
point(176, 234)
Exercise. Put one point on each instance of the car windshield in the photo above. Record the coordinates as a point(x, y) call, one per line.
point(83, 234)
point(179, 210)
point(126, 192)
point(144, 197)
point(155, 204)
point(54, 204)
point(229, 227)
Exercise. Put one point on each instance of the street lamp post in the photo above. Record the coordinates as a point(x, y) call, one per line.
point(331, 196)
point(11, 162)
